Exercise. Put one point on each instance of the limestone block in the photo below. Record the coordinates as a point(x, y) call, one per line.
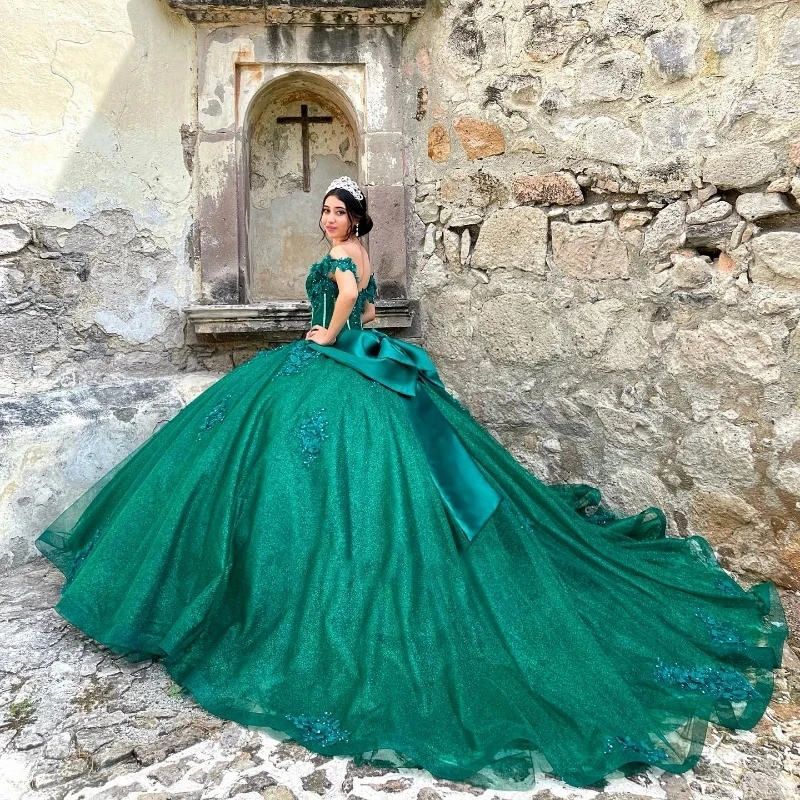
point(673, 52)
point(609, 139)
point(755, 205)
point(461, 217)
point(673, 128)
point(718, 515)
point(711, 212)
point(597, 212)
point(715, 235)
point(555, 188)
point(689, 272)
point(550, 33)
point(787, 477)
point(593, 251)
point(736, 42)
point(635, 18)
point(776, 259)
point(631, 220)
point(438, 143)
point(614, 76)
point(428, 210)
point(740, 167)
point(591, 323)
point(516, 329)
point(721, 347)
point(13, 237)
point(668, 230)
point(718, 453)
point(479, 138)
point(452, 246)
point(466, 241)
point(789, 53)
point(513, 238)
point(448, 330)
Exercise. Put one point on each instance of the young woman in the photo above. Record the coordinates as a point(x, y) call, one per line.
point(326, 543)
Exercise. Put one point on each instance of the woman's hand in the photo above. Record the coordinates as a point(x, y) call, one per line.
point(320, 335)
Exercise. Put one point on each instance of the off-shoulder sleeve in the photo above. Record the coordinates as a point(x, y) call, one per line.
point(346, 264)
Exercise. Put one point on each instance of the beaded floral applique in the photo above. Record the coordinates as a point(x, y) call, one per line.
point(299, 355)
point(217, 414)
point(311, 432)
point(325, 730)
point(319, 285)
point(722, 682)
point(81, 555)
point(646, 753)
point(722, 633)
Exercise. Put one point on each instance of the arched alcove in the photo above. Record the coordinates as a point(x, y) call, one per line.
point(256, 230)
point(300, 133)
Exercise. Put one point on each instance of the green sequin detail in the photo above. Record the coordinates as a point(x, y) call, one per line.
point(217, 414)
point(299, 355)
point(311, 432)
point(644, 751)
point(325, 730)
point(722, 682)
point(722, 633)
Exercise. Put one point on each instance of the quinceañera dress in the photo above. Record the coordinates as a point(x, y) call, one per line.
point(326, 543)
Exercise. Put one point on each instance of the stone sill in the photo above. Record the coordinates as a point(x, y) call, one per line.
point(307, 12)
point(284, 316)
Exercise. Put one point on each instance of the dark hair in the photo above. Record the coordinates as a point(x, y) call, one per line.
point(356, 211)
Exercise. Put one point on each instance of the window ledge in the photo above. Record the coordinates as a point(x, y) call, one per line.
point(285, 316)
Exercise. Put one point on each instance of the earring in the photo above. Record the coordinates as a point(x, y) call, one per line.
point(356, 229)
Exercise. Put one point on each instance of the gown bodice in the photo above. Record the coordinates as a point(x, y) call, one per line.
point(322, 291)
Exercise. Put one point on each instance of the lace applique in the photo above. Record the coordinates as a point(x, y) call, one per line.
point(646, 753)
point(81, 555)
point(311, 433)
point(721, 632)
point(325, 730)
point(723, 682)
point(217, 414)
point(299, 355)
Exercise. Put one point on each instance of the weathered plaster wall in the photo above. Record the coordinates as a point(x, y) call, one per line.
point(97, 110)
point(604, 211)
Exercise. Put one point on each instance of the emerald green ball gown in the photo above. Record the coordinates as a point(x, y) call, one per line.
point(326, 543)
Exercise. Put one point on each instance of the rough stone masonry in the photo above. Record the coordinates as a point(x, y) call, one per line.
point(604, 237)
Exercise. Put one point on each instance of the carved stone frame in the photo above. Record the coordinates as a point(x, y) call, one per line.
point(360, 64)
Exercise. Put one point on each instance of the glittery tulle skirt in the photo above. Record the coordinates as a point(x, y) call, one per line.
point(280, 546)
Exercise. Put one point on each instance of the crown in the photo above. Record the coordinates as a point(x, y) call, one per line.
point(348, 184)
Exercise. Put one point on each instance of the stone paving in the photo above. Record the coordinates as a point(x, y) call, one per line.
point(78, 722)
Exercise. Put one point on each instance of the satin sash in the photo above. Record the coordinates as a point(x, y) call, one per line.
point(400, 366)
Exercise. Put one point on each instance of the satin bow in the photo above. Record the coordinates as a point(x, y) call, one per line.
point(402, 366)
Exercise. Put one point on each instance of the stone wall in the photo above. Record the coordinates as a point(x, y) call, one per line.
point(603, 228)
point(97, 110)
point(606, 221)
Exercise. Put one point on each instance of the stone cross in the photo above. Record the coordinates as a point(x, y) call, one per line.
point(305, 120)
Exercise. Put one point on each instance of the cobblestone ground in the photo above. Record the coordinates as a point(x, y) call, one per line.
point(79, 722)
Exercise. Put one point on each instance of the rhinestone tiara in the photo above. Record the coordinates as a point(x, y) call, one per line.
point(347, 183)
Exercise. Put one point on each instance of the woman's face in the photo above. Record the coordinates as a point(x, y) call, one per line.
point(334, 217)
